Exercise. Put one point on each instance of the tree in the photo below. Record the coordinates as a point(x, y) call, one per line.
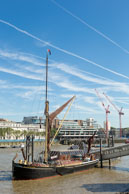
point(6, 132)
point(24, 133)
point(17, 133)
point(2, 133)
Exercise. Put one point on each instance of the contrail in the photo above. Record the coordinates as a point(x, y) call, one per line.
point(63, 50)
point(63, 67)
point(91, 27)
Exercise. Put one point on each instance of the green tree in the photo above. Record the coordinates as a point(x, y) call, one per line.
point(31, 133)
point(17, 133)
point(24, 133)
point(6, 132)
point(2, 133)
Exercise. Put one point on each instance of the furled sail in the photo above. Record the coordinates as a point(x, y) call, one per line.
point(90, 141)
point(60, 109)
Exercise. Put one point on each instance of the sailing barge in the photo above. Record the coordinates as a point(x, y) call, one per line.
point(51, 163)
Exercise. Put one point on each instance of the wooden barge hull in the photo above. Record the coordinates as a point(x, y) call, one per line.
point(26, 172)
point(76, 168)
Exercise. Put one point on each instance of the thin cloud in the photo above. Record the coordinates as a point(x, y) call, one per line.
point(113, 86)
point(76, 72)
point(72, 87)
point(29, 94)
point(20, 57)
point(89, 99)
point(122, 100)
point(21, 74)
point(66, 95)
point(121, 87)
point(63, 50)
point(57, 79)
point(87, 109)
point(91, 27)
point(63, 67)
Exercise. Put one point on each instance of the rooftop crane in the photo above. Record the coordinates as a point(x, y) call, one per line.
point(119, 112)
point(106, 110)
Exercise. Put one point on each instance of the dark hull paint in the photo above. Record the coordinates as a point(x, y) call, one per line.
point(71, 169)
point(24, 172)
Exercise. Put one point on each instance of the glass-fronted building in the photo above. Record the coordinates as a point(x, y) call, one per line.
point(78, 128)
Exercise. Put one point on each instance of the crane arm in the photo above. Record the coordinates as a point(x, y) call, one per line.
point(100, 99)
point(111, 102)
point(121, 111)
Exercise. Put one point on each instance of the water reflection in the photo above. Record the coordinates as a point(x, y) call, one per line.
point(107, 187)
point(117, 168)
point(5, 175)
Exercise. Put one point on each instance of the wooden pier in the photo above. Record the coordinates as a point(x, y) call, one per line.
point(111, 153)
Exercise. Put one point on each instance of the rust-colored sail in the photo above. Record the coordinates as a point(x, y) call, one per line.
point(90, 141)
point(55, 113)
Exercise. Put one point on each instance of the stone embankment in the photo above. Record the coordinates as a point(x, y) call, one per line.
point(17, 143)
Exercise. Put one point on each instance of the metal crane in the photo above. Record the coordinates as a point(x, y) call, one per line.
point(106, 110)
point(119, 112)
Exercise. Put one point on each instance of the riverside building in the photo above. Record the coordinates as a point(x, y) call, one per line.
point(19, 128)
point(78, 129)
point(71, 129)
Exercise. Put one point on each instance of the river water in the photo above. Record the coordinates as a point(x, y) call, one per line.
point(97, 180)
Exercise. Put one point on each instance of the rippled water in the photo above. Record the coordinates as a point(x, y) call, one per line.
point(97, 180)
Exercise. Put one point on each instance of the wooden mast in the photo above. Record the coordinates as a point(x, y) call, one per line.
point(50, 117)
point(46, 114)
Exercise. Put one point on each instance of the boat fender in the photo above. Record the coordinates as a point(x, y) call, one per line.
point(25, 162)
point(92, 157)
point(20, 161)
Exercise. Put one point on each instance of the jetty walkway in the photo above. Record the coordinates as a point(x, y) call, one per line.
point(112, 152)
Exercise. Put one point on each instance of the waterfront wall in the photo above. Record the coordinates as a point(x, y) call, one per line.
point(38, 142)
point(9, 143)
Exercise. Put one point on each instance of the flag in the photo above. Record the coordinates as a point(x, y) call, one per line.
point(48, 50)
